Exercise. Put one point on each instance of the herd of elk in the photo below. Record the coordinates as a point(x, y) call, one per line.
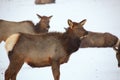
point(8, 28)
point(25, 43)
point(48, 49)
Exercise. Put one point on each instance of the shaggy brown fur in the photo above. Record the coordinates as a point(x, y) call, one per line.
point(44, 1)
point(8, 28)
point(48, 49)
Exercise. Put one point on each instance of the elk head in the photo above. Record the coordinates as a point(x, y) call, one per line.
point(44, 23)
point(78, 28)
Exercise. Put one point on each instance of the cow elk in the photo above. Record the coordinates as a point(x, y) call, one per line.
point(8, 28)
point(48, 49)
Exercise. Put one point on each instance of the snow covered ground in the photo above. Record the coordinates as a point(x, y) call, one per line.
point(85, 64)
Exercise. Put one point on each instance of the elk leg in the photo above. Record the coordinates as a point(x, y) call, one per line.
point(16, 71)
point(8, 73)
point(14, 67)
point(56, 69)
point(12, 71)
point(118, 58)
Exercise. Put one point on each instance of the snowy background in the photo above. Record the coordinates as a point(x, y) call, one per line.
point(85, 64)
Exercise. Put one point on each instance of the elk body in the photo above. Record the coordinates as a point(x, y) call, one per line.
point(44, 1)
point(8, 28)
point(48, 49)
point(95, 39)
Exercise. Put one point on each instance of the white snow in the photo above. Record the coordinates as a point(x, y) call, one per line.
point(85, 64)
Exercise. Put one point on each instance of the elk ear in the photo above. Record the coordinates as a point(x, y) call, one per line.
point(83, 22)
point(39, 16)
point(50, 16)
point(70, 23)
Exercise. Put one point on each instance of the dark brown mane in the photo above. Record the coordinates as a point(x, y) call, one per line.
point(66, 38)
point(37, 28)
point(70, 41)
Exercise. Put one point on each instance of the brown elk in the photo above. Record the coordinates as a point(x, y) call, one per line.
point(44, 1)
point(48, 49)
point(95, 39)
point(8, 28)
point(100, 40)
